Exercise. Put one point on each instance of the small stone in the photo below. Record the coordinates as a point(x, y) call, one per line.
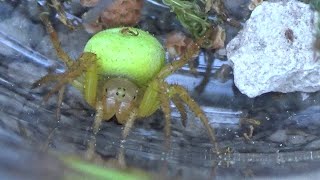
point(274, 51)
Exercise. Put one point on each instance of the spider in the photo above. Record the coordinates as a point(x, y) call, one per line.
point(122, 73)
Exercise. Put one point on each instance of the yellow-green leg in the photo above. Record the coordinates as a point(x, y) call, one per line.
point(127, 128)
point(56, 4)
point(174, 66)
point(55, 40)
point(95, 128)
point(183, 94)
point(192, 50)
point(90, 85)
point(78, 68)
point(165, 106)
point(181, 108)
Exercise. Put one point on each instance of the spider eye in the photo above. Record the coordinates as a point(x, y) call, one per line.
point(121, 91)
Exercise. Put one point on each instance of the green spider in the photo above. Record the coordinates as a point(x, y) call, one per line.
point(122, 73)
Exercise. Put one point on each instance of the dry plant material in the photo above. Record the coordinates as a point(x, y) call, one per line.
point(254, 4)
point(177, 43)
point(208, 5)
point(89, 3)
point(216, 38)
point(122, 12)
point(219, 9)
point(62, 16)
point(119, 13)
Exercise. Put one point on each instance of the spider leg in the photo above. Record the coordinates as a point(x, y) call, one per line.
point(62, 16)
point(177, 102)
point(183, 94)
point(200, 87)
point(59, 102)
point(58, 117)
point(46, 79)
point(192, 50)
point(192, 67)
point(165, 106)
point(76, 69)
point(129, 124)
point(58, 112)
point(55, 41)
point(174, 66)
point(127, 128)
point(89, 154)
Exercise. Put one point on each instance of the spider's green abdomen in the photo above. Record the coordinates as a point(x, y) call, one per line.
point(127, 52)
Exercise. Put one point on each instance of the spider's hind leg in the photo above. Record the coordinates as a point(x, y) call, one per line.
point(181, 108)
point(183, 94)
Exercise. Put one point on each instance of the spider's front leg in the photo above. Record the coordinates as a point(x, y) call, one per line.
point(76, 69)
point(55, 40)
point(90, 153)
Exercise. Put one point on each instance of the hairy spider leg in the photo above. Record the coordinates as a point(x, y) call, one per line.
point(95, 128)
point(174, 66)
point(60, 98)
point(181, 108)
point(150, 101)
point(46, 79)
point(89, 154)
point(172, 92)
point(55, 40)
point(201, 86)
point(62, 15)
point(60, 53)
point(127, 128)
point(165, 106)
point(78, 68)
point(176, 90)
point(193, 49)
point(183, 94)
point(75, 69)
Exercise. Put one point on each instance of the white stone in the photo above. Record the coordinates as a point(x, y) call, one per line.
point(265, 60)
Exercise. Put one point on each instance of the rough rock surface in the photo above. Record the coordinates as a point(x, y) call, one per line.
point(274, 51)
